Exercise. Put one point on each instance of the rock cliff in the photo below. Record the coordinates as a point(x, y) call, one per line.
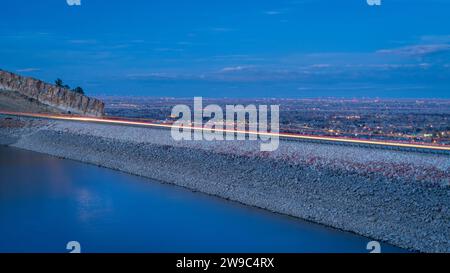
point(51, 95)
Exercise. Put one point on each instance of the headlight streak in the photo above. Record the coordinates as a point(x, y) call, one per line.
point(121, 121)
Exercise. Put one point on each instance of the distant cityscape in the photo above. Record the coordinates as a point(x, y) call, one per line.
point(425, 121)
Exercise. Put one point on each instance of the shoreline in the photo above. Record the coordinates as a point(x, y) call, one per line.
point(410, 209)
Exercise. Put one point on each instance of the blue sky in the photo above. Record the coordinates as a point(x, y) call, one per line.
point(233, 48)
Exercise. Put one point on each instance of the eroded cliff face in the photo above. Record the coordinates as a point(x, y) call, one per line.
point(51, 95)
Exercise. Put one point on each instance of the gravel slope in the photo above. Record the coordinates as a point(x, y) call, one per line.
point(399, 197)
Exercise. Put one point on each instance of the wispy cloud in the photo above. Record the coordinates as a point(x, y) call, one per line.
point(168, 49)
point(272, 12)
point(321, 65)
point(82, 41)
point(417, 50)
point(151, 75)
point(221, 29)
point(435, 39)
point(28, 69)
point(234, 68)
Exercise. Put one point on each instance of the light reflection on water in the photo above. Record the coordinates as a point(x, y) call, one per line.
point(46, 202)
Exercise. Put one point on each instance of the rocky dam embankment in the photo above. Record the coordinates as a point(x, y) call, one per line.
point(398, 197)
point(46, 95)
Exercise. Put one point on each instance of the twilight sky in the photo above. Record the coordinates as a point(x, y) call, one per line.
point(232, 48)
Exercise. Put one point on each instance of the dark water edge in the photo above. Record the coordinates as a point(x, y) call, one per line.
point(46, 202)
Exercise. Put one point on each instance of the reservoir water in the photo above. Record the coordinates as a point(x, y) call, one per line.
point(45, 202)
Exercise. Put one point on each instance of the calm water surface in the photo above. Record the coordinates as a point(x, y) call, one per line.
point(46, 202)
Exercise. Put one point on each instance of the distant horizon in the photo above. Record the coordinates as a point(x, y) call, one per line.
point(275, 98)
point(298, 96)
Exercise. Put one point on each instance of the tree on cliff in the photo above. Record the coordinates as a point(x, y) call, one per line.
point(78, 90)
point(59, 82)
